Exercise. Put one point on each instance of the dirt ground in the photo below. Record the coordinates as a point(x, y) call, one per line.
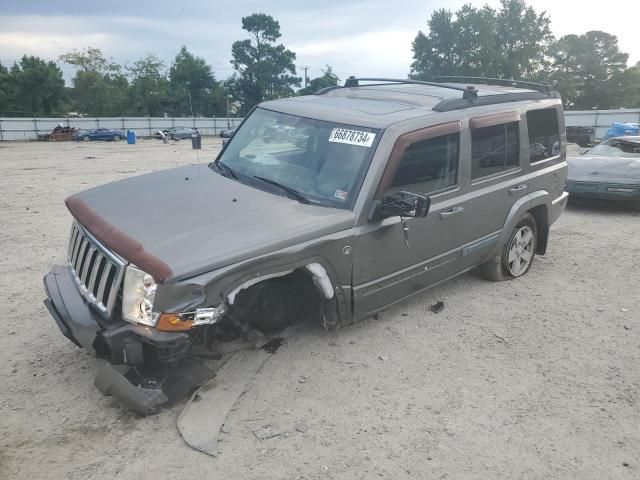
point(533, 378)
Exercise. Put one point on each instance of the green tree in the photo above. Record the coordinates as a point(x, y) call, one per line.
point(194, 88)
point(585, 69)
point(627, 87)
point(149, 86)
point(263, 69)
point(35, 87)
point(509, 42)
point(327, 79)
point(99, 86)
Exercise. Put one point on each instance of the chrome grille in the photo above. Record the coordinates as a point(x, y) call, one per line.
point(97, 271)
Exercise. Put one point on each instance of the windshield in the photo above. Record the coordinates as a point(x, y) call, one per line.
point(616, 148)
point(323, 162)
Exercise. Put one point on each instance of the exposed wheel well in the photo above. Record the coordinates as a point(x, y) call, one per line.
point(541, 217)
point(298, 291)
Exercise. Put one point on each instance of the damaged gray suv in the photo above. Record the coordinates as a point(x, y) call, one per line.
point(329, 207)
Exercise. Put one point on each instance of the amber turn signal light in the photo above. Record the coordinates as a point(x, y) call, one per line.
point(172, 322)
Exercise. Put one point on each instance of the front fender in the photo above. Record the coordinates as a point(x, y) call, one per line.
point(215, 287)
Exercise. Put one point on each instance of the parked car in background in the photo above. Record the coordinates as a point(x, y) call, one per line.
point(610, 170)
point(397, 187)
point(227, 132)
point(176, 133)
point(59, 134)
point(104, 134)
point(583, 136)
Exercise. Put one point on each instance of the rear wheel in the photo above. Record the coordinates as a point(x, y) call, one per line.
point(516, 256)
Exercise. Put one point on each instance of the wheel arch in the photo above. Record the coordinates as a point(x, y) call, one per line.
point(316, 269)
point(537, 204)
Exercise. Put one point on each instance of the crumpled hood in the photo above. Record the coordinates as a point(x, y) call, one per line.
point(604, 169)
point(188, 220)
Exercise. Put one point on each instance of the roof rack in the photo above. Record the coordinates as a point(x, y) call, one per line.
point(470, 96)
point(468, 93)
point(505, 82)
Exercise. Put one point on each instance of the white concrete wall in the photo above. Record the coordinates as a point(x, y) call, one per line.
point(601, 120)
point(29, 128)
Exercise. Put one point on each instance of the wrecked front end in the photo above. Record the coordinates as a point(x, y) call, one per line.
point(108, 306)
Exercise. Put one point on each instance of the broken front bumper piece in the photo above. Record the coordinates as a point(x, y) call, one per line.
point(126, 346)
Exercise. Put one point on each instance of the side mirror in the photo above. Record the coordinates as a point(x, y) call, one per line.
point(403, 204)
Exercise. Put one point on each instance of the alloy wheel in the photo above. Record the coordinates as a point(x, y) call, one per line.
point(520, 251)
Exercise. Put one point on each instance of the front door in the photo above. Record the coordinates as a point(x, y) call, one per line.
point(396, 257)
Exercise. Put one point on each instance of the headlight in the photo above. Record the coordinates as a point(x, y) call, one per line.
point(138, 293)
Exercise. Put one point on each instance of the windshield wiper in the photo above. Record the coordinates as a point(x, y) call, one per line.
point(225, 170)
point(296, 195)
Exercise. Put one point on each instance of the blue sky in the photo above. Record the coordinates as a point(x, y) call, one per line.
point(360, 37)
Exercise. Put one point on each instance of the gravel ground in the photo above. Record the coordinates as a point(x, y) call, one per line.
point(534, 378)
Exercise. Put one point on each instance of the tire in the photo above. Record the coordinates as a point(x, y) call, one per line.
point(86, 139)
point(516, 256)
point(117, 138)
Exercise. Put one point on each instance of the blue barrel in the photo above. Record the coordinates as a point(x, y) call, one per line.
point(131, 137)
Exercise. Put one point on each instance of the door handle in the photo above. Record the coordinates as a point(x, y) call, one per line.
point(517, 189)
point(451, 212)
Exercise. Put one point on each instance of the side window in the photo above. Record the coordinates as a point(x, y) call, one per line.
point(494, 149)
point(544, 134)
point(428, 165)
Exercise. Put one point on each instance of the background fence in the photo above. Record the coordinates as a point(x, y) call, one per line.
point(601, 120)
point(30, 128)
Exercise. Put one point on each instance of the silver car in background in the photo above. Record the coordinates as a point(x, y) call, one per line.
point(608, 171)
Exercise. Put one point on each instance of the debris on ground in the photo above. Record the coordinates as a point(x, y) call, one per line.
point(273, 345)
point(437, 307)
point(266, 432)
point(201, 421)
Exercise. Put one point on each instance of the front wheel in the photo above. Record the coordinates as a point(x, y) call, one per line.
point(517, 254)
point(117, 138)
point(86, 139)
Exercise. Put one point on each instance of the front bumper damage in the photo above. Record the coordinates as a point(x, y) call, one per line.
point(127, 347)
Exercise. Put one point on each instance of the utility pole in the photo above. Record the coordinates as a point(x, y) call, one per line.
point(306, 77)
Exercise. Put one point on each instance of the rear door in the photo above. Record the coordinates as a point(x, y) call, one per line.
point(497, 179)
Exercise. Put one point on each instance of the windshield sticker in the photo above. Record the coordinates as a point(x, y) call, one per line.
point(341, 195)
point(352, 137)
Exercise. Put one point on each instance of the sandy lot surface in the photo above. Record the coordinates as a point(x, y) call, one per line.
point(534, 378)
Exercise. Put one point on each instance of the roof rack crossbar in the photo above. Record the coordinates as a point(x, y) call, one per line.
point(505, 82)
point(468, 93)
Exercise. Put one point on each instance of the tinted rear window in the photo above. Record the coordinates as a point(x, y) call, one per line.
point(544, 134)
point(494, 149)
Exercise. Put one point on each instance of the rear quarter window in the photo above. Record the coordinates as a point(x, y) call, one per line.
point(544, 134)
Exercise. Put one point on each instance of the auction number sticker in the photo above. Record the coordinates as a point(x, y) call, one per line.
point(352, 137)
